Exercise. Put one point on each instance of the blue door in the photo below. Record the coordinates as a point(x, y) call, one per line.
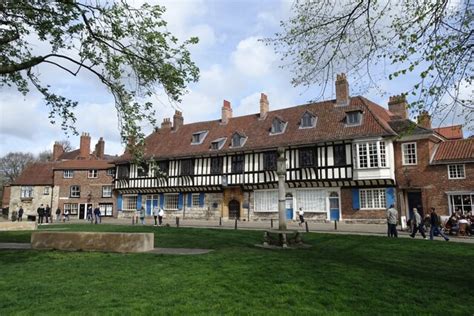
point(289, 207)
point(334, 206)
point(148, 207)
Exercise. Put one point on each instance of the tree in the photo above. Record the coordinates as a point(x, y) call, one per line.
point(12, 164)
point(66, 145)
point(431, 41)
point(45, 155)
point(127, 49)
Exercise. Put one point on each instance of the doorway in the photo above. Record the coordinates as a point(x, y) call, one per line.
point(334, 210)
point(234, 209)
point(414, 200)
point(82, 210)
point(289, 206)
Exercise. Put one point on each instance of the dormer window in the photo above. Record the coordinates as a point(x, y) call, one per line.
point(238, 140)
point(353, 118)
point(198, 137)
point(218, 143)
point(308, 120)
point(278, 126)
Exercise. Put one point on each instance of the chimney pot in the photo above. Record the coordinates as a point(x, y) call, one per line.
point(226, 112)
point(85, 146)
point(166, 124)
point(342, 90)
point(100, 149)
point(424, 119)
point(178, 120)
point(264, 106)
point(397, 104)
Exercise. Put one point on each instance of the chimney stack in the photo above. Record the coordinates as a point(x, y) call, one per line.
point(342, 90)
point(424, 120)
point(166, 124)
point(397, 104)
point(226, 112)
point(58, 150)
point(85, 146)
point(178, 120)
point(100, 149)
point(264, 106)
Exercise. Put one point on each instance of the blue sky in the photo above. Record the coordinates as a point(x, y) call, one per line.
point(234, 66)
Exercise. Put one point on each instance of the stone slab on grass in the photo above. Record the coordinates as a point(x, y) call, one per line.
point(93, 241)
point(11, 226)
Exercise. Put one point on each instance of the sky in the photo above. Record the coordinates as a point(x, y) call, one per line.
point(234, 65)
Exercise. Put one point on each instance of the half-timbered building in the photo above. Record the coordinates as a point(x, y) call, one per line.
point(339, 163)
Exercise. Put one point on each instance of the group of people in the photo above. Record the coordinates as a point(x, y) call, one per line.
point(460, 224)
point(158, 214)
point(44, 214)
point(94, 216)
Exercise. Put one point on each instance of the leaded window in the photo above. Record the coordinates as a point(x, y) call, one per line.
point(340, 155)
point(409, 154)
point(306, 157)
point(171, 201)
point(216, 165)
point(142, 170)
point(270, 161)
point(278, 126)
point(372, 198)
point(123, 171)
point(307, 120)
point(456, 171)
point(187, 167)
point(163, 166)
point(238, 163)
point(26, 192)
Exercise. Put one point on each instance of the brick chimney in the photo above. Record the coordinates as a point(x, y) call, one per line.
point(100, 148)
point(166, 124)
point(342, 90)
point(397, 104)
point(178, 120)
point(58, 150)
point(264, 106)
point(226, 112)
point(424, 119)
point(85, 146)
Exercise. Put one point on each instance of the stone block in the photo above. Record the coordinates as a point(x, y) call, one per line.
point(92, 241)
point(8, 226)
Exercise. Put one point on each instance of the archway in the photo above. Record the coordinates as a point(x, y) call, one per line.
point(234, 209)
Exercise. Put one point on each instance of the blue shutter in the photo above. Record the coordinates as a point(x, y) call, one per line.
point(355, 199)
point(190, 199)
point(201, 199)
point(162, 200)
point(180, 201)
point(119, 202)
point(139, 201)
point(390, 196)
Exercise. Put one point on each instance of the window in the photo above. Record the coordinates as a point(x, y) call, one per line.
point(46, 191)
point(142, 170)
point(409, 154)
point(353, 118)
point(308, 120)
point(72, 208)
point(371, 155)
point(311, 200)
point(270, 161)
point(187, 167)
point(278, 126)
point(92, 173)
point(266, 201)
point(306, 157)
point(340, 155)
point(163, 166)
point(216, 165)
point(171, 201)
point(107, 191)
point(75, 191)
point(372, 199)
point(130, 203)
point(238, 163)
point(198, 137)
point(195, 200)
point(218, 143)
point(106, 209)
point(123, 171)
point(463, 203)
point(68, 174)
point(26, 192)
point(238, 140)
point(111, 172)
point(456, 172)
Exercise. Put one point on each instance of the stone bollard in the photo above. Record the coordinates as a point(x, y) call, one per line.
point(177, 222)
point(306, 225)
point(220, 221)
point(335, 225)
point(271, 222)
point(235, 227)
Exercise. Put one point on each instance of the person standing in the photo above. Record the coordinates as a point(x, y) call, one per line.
point(66, 215)
point(97, 215)
point(160, 216)
point(89, 214)
point(58, 214)
point(156, 211)
point(20, 214)
point(142, 215)
point(301, 216)
point(435, 223)
point(40, 212)
point(47, 213)
point(392, 220)
point(417, 224)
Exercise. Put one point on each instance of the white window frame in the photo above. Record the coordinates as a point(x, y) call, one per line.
point(405, 153)
point(312, 200)
point(77, 193)
point(68, 174)
point(195, 198)
point(372, 199)
point(73, 208)
point(46, 191)
point(456, 171)
point(107, 191)
point(220, 143)
point(129, 203)
point(365, 149)
point(313, 121)
point(26, 192)
point(242, 141)
point(283, 125)
point(92, 173)
point(359, 118)
point(169, 203)
point(265, 200)
point(201, 136)
point(111, 172)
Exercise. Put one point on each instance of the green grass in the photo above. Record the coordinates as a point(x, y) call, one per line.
point(341, 275)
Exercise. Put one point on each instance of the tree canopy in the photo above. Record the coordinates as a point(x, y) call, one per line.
point(127, 49)
point(430, 41)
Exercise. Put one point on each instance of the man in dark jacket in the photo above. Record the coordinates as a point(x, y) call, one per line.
point(40, 212)
point(20, 214)
point(47, 213)
point(435, 223)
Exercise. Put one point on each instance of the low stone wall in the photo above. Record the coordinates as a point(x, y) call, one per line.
point(89, 241)
point(7, 226)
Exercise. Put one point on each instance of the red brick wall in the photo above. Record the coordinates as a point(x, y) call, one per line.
point(92, 185)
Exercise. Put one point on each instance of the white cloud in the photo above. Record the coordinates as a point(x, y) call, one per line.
point(253, 58)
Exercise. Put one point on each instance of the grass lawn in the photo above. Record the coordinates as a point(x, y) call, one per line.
point(338, 275)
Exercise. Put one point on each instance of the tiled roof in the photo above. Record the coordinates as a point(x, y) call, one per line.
point(39, 173)
point(330, 126)
point(461, 150)
point(408, 127)
point(70, 155)
point(83, 164)
point(450, 132)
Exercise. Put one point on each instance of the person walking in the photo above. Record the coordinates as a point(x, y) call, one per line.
point(301, 216)
point(66, 215)
point(40, 212)
point(160, 216)
point(89, 214)
point(417, 224)
point(97, 217)
point(142, 215)
point(392, 220)
point(58, 215)
point(156, 211)
point(435, 223)
point(20, 214)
